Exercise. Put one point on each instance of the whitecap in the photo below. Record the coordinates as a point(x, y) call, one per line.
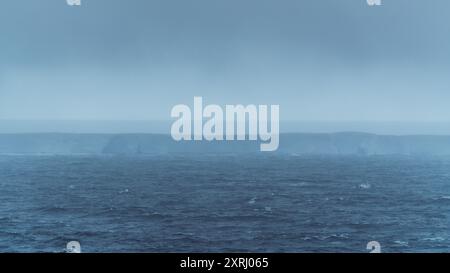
point(124, 191)
point(434, 239)
point(402, 243)
point(365, 186)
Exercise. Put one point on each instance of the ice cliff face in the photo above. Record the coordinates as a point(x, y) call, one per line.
point(141, 144)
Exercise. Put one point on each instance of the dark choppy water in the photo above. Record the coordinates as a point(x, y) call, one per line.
point(224, 203)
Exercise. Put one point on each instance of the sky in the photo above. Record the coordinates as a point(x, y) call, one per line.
point(320, 60)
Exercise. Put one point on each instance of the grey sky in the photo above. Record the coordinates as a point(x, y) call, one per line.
point(323, 60)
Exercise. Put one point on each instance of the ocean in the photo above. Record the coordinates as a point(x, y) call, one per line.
point(224, 203)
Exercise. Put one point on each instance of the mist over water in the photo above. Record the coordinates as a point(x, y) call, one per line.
point(85, 147)
point(322, 60)
point(163, 127)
